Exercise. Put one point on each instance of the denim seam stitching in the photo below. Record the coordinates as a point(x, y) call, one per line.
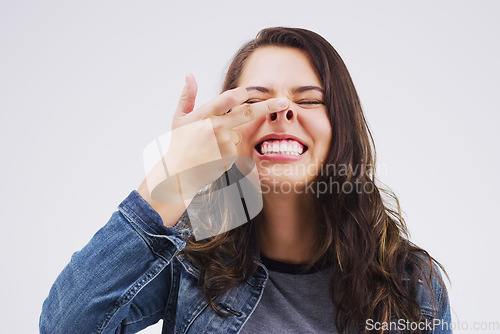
point(144, 234)
point(144, 317)
point(132, 292)
point(187, 266)
point(174, 284)
point(132, 217)
point(196, 314)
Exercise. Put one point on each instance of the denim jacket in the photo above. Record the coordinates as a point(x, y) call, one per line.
point(131, 275)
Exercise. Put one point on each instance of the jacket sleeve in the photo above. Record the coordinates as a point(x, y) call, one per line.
point(442, 322)
point(120, 281)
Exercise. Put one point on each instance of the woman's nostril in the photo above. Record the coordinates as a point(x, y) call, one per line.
point(274, 116)
point(289, 115)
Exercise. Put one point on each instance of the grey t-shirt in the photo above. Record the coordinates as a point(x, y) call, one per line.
point(293, 302)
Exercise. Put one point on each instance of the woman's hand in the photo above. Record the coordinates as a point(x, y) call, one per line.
point(202, 146)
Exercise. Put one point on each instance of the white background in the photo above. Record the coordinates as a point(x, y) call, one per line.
point(86, 85)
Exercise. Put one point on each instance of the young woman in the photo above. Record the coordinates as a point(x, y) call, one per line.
point(326, 253)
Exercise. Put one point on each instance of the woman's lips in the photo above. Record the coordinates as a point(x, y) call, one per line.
point(279, 157)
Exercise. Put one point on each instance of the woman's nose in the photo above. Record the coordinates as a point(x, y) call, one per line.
point(285, 115)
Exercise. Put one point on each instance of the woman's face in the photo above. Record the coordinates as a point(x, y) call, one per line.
point(289, 147)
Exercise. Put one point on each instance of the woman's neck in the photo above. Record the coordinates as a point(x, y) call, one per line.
point(288, 230)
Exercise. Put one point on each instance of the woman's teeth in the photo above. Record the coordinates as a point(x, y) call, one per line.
point(291, 147)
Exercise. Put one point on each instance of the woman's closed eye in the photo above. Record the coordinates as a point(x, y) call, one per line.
point(250, 101)
point(301, 102)
point(310, 102)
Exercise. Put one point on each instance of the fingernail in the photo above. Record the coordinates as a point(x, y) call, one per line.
point(281, 103)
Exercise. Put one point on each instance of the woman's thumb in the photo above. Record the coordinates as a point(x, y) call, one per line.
point(188, 95)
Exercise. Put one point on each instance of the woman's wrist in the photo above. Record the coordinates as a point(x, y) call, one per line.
point(169, 212)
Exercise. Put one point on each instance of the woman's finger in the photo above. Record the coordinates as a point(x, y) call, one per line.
point(247, 112)
point(188, 95)
point(224, 102)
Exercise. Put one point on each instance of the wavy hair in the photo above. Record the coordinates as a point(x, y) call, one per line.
point(377, 269)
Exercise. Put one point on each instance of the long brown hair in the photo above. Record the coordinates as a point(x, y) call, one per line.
point(377, 269)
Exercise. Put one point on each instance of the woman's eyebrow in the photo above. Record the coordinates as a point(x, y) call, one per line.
point(260, 89)
point(302, 89)
point(295, 90)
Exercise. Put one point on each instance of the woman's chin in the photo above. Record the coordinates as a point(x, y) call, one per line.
point(281, 184)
